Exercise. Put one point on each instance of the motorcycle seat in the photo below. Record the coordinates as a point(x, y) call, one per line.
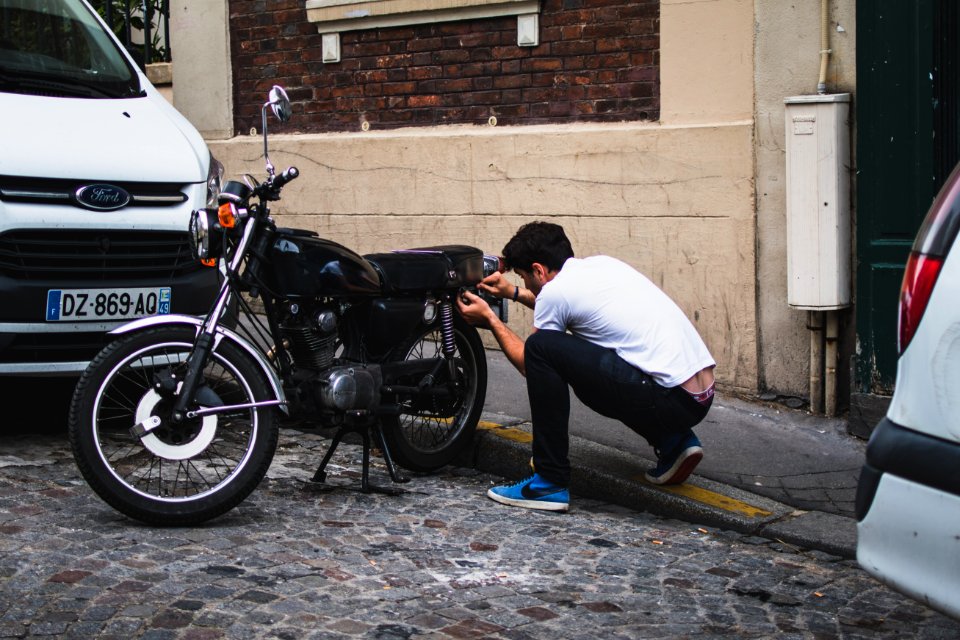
point(428, 268)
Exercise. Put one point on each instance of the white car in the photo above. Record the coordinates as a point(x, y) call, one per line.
point(908, 499)
point(98, 176)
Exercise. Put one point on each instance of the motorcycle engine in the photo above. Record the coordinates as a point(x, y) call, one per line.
point(349, 388)
point(312, 340)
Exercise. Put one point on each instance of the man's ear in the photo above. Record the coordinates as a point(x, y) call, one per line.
point(543, 272)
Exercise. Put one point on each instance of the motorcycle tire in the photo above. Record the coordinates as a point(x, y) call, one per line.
point(175, 475)
point(429, 433)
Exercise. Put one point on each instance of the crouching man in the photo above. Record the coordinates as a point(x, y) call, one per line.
point(605, 330)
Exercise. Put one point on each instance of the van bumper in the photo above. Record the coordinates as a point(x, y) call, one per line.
point(34, 347)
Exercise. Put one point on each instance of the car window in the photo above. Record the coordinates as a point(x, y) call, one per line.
point(942, 222)
point(58, 48)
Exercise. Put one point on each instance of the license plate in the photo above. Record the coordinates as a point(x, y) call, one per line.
point(106, 304)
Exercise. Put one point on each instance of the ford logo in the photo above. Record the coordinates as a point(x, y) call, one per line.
point(102, 197)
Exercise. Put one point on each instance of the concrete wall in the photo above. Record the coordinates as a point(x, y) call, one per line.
point(788, 64)
point(201, 65)
point(160, 76)
point(675, 199)
point(706, 61)
point(675, 202)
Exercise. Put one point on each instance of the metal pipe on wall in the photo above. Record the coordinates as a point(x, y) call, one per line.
point(831, 350)
point(815, 325)
point(824, 45)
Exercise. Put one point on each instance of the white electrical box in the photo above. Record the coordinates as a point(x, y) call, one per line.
point(818, 201)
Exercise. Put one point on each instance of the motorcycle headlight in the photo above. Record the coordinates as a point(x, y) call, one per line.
point(206, 241)
point(214, 181)
point(492, 264)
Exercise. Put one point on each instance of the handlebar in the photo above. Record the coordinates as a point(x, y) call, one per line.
point(290, 174)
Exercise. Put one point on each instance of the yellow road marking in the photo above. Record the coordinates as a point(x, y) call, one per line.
point(698, 494)
point(506, 432)
point(711, 498)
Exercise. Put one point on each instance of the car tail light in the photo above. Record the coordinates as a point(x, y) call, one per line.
point(930, 249)
point(918, 280)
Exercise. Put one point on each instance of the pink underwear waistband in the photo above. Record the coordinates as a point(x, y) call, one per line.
point(702, 396)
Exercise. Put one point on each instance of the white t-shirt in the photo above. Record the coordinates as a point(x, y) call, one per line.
point(609, 303)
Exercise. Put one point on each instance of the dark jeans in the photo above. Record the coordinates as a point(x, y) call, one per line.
point(606, 383)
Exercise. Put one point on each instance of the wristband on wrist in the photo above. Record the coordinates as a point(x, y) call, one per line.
point(516, 293)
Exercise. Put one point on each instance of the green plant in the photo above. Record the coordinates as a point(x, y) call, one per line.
point(126, 18)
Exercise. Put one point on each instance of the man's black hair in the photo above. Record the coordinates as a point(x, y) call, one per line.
point(541, 242)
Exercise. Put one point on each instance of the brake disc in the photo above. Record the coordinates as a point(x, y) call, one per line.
point(159, 446)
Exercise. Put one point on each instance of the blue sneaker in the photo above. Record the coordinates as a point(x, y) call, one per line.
point(532, 493)
point(680, 455)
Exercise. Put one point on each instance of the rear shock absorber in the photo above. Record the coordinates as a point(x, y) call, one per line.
point(449, 341)
point(446, 329)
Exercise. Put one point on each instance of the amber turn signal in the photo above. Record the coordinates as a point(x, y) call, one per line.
point(227, 215)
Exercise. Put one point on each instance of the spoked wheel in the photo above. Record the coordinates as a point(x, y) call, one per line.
point(170, 473)
point(431, 430)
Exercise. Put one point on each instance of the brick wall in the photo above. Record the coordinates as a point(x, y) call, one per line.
point(598, 60)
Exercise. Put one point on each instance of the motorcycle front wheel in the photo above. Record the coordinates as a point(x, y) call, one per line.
point(175, 474)
point(430, 431)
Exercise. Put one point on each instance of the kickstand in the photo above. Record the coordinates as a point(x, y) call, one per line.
point(387, 458)
point(364, 432)
point(321, 473)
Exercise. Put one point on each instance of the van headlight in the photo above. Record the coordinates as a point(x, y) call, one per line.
point(214, 181)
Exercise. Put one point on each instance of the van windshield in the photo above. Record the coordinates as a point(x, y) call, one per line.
point(59, 48)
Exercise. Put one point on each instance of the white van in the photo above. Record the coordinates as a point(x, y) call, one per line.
point(98, 175)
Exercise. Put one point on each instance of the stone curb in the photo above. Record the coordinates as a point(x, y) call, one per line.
point(603, 473)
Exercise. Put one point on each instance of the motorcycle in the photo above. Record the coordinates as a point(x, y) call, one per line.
point(176, 420)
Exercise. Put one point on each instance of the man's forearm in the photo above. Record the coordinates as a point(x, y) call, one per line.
point(526, 297)
point(510, 342)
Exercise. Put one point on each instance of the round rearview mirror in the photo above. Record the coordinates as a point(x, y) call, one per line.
point(280, 103)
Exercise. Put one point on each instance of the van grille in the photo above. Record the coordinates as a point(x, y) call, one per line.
point(92, 255)
point(63, 192)
point(54, 347)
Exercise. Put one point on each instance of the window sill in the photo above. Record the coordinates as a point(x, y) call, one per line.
point(333, 16)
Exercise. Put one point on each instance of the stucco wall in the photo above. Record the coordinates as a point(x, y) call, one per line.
point(788, 64)
point(676, 202)
point(706, 69)
point(201, 65)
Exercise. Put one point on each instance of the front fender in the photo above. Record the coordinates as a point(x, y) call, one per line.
point(223, 333)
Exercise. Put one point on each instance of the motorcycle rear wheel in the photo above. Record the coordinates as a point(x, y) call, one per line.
point(429, 434)
point(174, 475)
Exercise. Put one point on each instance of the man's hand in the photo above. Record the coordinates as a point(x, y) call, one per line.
point(475, 310)
point(498, 285)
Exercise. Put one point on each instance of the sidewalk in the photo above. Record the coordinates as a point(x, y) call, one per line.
point(770, 471)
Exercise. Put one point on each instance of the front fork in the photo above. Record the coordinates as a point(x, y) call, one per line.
point(195, 363)
point(206, 339)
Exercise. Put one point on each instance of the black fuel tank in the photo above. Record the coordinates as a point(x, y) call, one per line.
point(306, 265)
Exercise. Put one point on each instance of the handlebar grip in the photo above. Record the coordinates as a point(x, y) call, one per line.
point(290, 174)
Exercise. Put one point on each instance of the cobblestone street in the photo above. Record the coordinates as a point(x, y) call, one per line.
point(441, 560)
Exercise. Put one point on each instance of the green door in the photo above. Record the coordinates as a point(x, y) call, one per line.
point(907, 113)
